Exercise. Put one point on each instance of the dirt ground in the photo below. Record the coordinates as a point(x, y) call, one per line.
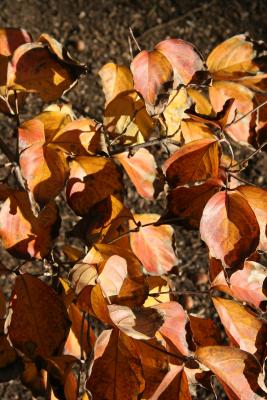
point(97, 32)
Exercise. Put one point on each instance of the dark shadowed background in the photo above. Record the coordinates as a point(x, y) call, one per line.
point(95, 32)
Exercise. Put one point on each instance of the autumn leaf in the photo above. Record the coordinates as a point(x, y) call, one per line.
point(23, 234)
point(242, 327)
point(152, 73)
point(153, 244)
point(91, 180)
point(139, 322)
point(238, 371)
point(115, 79)
point(142, 170)
point(229, 228)
point(43, 67)
point(257, 199)
point(186, 204)
point(39, 323)
point(195, 161)
point(115, 354)
point(247, 284)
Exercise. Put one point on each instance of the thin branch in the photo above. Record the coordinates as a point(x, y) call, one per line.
point(134, 39)
point(242, 162)
point(235, 121)
point(241, 179)
point(181, 293)
point(133, 148)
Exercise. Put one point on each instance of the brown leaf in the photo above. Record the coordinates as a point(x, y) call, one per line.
point(153, 244)
point(174, 385)
point(229, 228)
point(247, 284)
point(23, 234)
point(195, 161)
point(142, 170)
point(91, 180)
point(39, 323)
point(204, 331)
point(257, 199)
point(115, 80)
point(186, 204)
point(242, 327)
point(238, 371)
point(115, 353)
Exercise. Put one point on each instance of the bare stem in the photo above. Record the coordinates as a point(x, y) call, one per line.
point(235, 121)
point(243, 162)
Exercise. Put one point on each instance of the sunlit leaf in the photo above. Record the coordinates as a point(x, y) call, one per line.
point(153, 244)
point(229, 228)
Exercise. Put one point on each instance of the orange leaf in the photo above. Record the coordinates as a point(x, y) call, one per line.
point(229, 228)
point(238, 371)
point(195, 161)
point(43, 67)
point(39, 323)
point(115, 80)
point(115, 353)
point(153, 245)
point(23, 234)
point(91, 180)
point(242, 326)
point(141, 168)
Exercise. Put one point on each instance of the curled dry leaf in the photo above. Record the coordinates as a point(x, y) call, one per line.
point(153, 244)
point(242, 327)
point(195, 161)
point(142, 170)
point(43, 67)
point(39, 323)
point(115, 80)
point(257, 199)
point(23, 234)
point(239, 372)
point(204, 331)
point(235, 235)
point(139, 322)
point(248, 284)
point(115, 353)
point(186, 204)
point(91, 180)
